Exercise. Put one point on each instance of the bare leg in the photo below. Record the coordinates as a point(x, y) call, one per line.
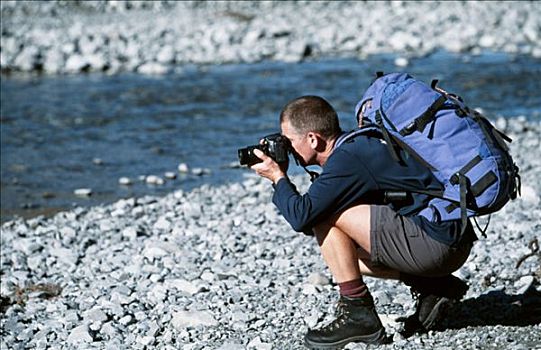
point(345, 246)
point(339, 252)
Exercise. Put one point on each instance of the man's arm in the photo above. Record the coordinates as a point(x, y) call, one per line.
point(268, 168)
point(342, 183)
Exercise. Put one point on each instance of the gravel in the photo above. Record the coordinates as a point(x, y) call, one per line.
point(151, 37)
point(219, 268)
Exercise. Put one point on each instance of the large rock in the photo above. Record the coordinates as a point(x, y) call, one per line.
point(80, 334)
point(187, 319)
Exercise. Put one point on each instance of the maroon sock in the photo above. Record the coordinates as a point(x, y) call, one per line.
point(353, 289)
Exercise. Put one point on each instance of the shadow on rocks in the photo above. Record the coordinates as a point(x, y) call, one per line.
point(491, 309)
point(496, 308)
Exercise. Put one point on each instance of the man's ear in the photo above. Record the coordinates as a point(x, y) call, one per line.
point(317, 143)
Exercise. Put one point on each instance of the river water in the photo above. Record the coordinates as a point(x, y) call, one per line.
point(61, 133)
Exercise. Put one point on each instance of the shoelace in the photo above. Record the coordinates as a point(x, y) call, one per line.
point(340, 308)
point(416, 296)
point(336, 324)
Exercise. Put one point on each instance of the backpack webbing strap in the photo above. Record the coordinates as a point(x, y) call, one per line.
point(482, 230)
point(483, 183)
point(386, 136)
point(479, 187)
point(420, 123)
point(469, 166)
point(463, 180)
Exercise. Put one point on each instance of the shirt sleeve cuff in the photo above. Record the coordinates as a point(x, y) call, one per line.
point(282, 179)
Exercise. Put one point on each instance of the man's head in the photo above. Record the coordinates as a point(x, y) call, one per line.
point(310, 123)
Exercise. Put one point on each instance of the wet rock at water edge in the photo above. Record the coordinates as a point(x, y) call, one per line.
point(183, 168)
point(83, 192)
point(154, 180)
point(126, 181)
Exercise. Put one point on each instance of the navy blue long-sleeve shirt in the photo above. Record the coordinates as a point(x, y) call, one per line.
point(355, 173)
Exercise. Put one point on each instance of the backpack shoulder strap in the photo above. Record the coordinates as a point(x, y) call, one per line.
point(369, 130)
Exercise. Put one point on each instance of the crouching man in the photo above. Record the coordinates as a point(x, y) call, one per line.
point(357, 233)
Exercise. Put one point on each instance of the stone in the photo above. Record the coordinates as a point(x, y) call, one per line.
point(152, 68)
point(26, 60)
point(146, 340)
point(129, 232)
point(190, 319)
point(153, 252)
point(208, 276)
point(183, 286)
point(487, 41)
point(529, 195)
point(26, 245)
point(154, 180)
point(83, 192)
point(389, 321)
point(198, 171)
point(524, 283)
point(170, 175)
point(257, 344)
point(153, 329)
point(157, 293)
point(53, 61)
point(162, 224)
point(318, 279)
point(401, 62)
point(230, 345)
point(126, 320)
point(80, 334)
point(311, 319)
point(126, 181)
point(76, 63)
point(166, 55)
point(183, 168)
point(64, 255)
point(95, 315)
point(309, 289)
point(109, 330)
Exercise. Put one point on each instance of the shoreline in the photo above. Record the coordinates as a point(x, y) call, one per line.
point(105, 37)
point(514, 125)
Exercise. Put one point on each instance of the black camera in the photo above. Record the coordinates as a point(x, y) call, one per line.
point(275, 146)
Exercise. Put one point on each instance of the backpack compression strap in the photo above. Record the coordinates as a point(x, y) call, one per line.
point(420, 123)
point(386, 137)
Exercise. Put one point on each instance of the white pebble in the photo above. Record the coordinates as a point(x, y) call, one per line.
point(83, 192)
point(401, 62)
point(125, 181)
point(183, 168)
point(170, 175)
point(154, 180)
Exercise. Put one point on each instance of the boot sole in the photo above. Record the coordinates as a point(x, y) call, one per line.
point(378, 338)
point(437, 313)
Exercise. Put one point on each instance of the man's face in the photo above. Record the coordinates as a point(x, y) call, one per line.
point(300, 144)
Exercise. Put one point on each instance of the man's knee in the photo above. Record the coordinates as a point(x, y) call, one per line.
point(355, 219)
point(321, 230)
point(353, 222)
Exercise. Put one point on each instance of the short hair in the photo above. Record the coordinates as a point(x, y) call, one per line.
point(311, 114)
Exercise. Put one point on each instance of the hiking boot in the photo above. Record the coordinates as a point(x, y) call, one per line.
point(434, 297)
point(357, 321)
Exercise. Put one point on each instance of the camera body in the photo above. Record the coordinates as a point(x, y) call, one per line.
point(275, 146)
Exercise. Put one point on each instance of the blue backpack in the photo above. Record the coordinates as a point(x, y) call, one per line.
point(460, 147)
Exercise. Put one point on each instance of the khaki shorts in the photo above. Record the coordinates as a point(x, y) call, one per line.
point(398, 243)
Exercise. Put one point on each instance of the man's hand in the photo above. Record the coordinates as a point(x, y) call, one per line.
point(268, 168)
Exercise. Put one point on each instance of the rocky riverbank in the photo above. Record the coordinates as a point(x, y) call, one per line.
point(155, 37)
point(218, 268)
